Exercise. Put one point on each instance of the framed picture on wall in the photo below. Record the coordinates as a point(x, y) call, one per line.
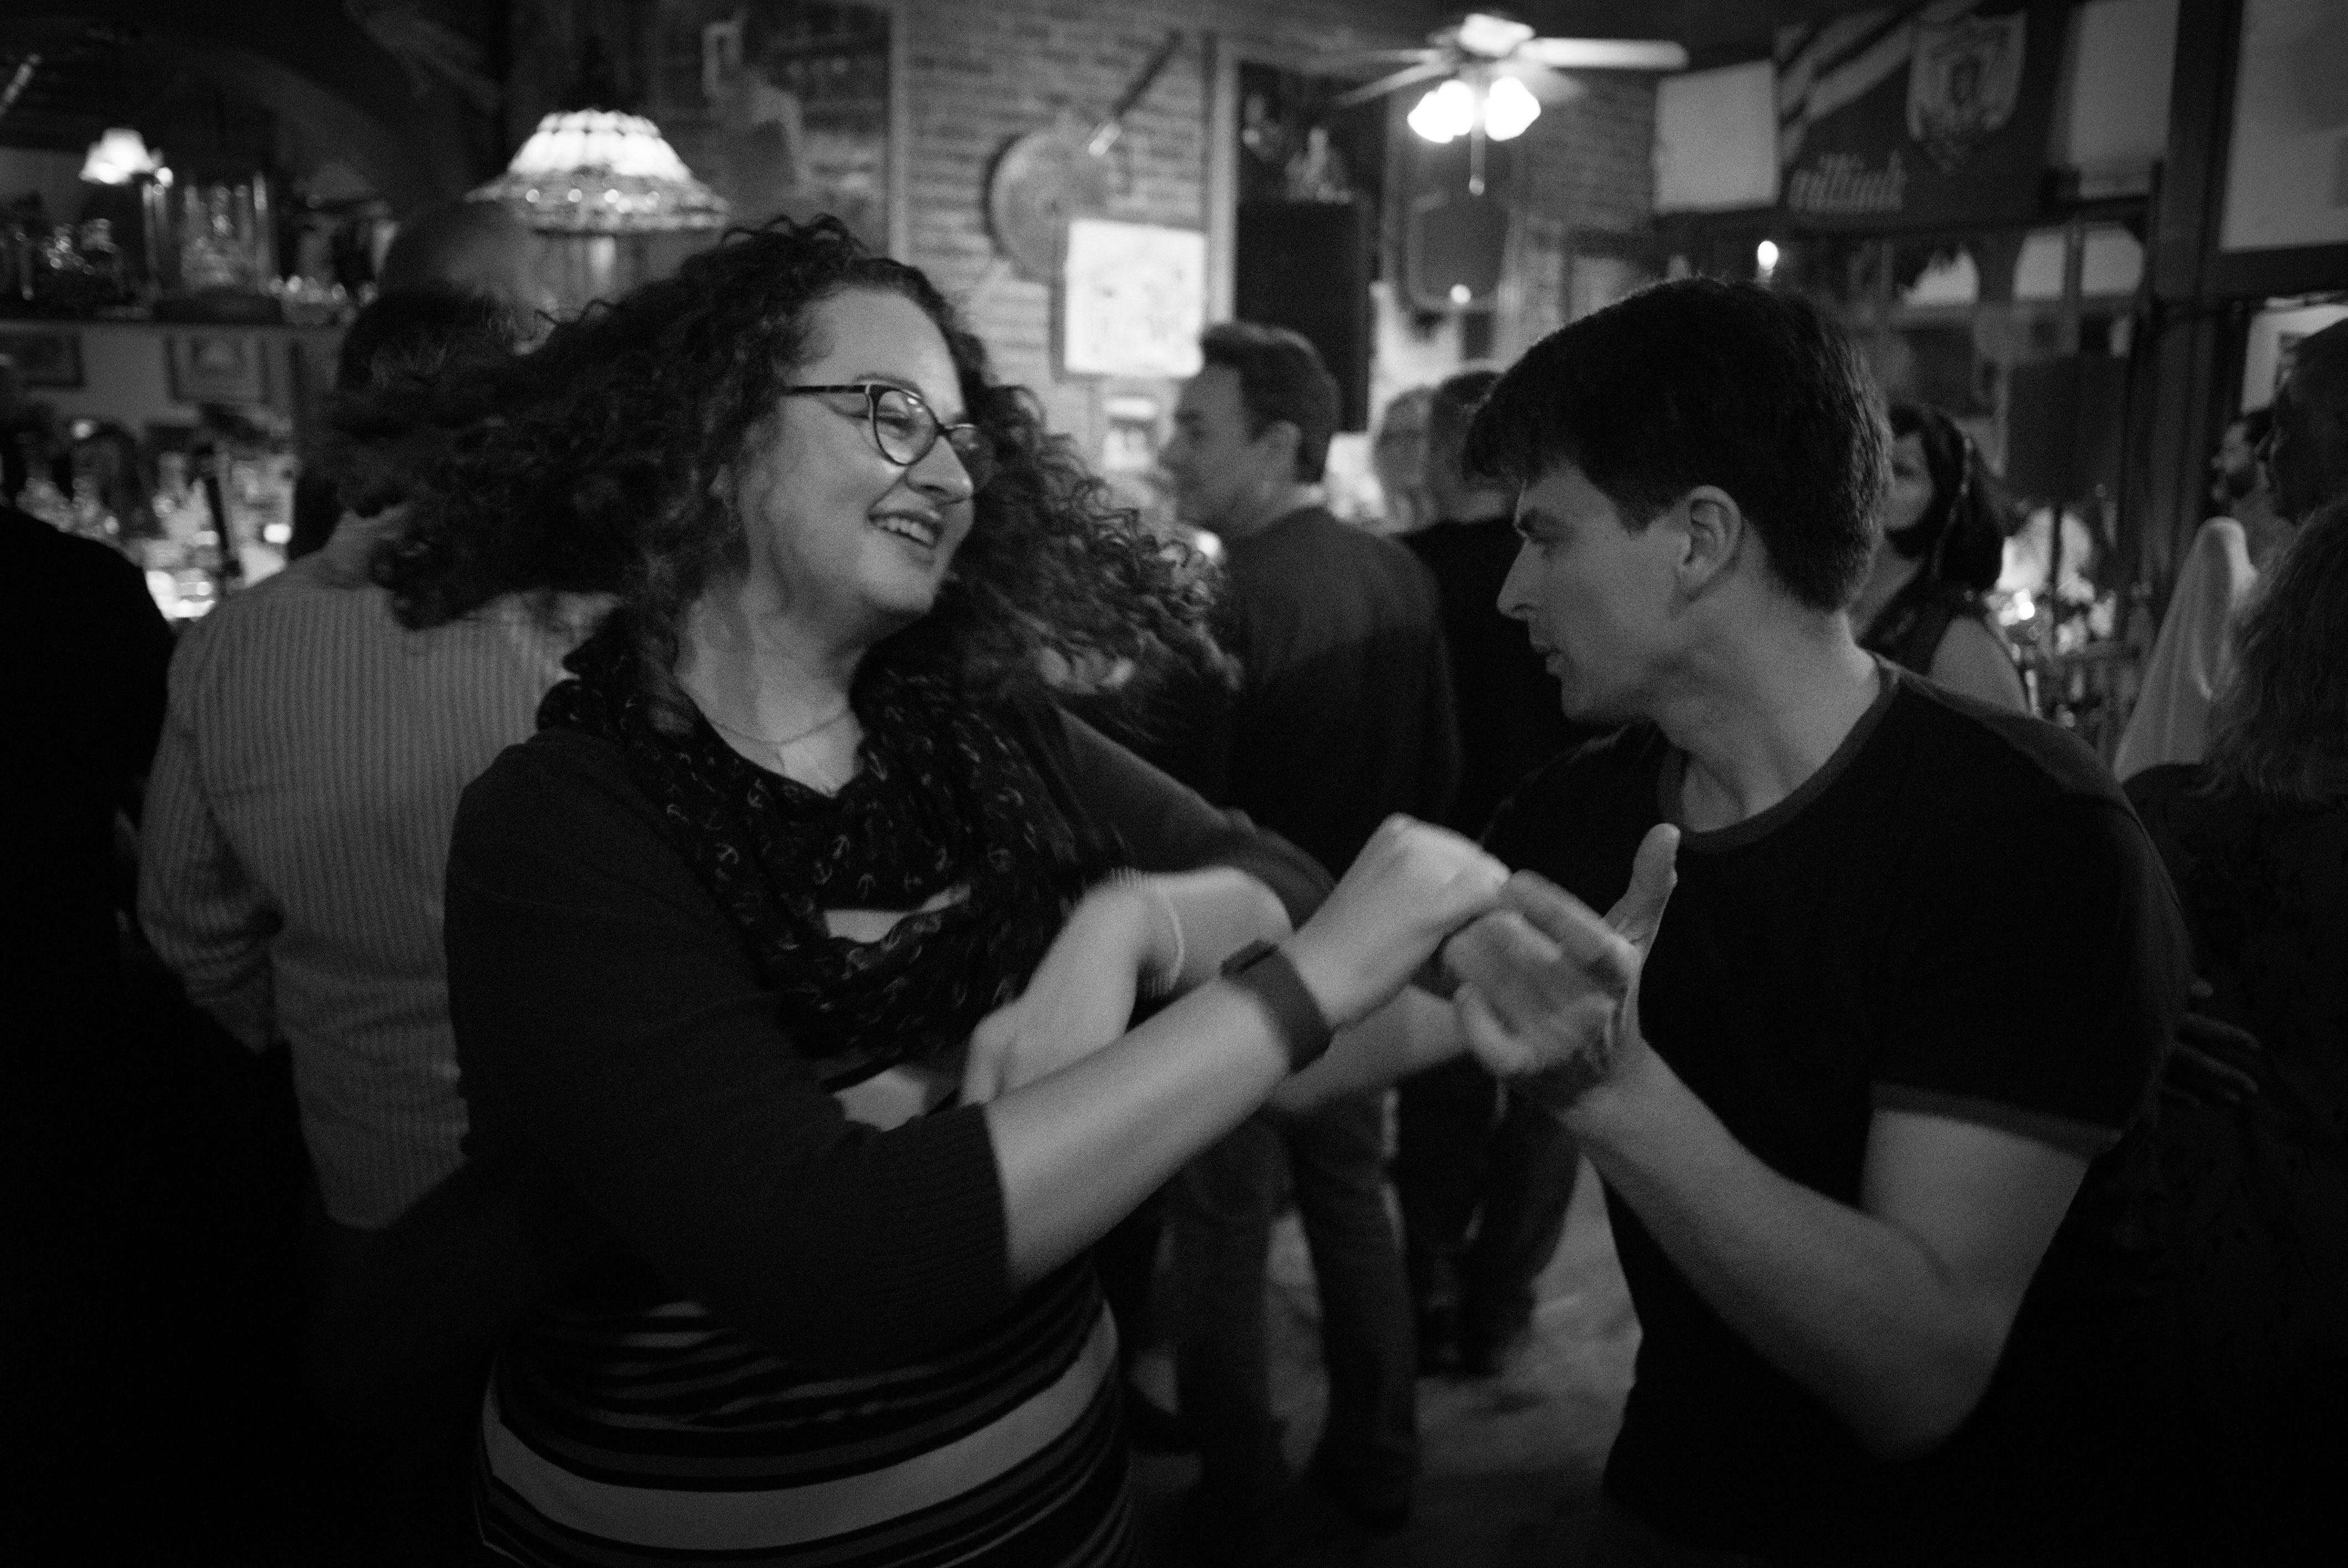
point(45, 359)
point(218, 368)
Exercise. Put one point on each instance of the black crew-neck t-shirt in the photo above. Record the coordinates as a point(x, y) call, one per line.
point(1958, 915)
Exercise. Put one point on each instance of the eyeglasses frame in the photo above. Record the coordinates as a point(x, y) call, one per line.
point(939, 429)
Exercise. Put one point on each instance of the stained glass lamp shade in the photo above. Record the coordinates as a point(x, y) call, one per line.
point(591, 171)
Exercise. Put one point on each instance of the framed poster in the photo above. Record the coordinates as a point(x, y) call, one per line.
point(45, 358)
point(2287, 159)
point(1135, 299)
point(218, 368)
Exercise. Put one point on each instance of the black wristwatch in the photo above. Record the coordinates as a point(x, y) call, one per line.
point(1264, 972)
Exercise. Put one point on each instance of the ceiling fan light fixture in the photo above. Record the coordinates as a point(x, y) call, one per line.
point(118, 157)
point(1446, 113)
point(1510, 109)
point(1494, 37)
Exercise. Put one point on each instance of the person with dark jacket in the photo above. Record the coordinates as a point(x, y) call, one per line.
point(1471, 1159)
point(1344, 718)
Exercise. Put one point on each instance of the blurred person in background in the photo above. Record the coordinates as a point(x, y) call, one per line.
point(297, 840)
point(1942, 545)
point(455, 251)
point(2255, 837)
point(1344, 718)
point(1398, 456)
point(1472, 1158)
point(2187, 664)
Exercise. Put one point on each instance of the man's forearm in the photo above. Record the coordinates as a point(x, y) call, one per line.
point(1850, 1307)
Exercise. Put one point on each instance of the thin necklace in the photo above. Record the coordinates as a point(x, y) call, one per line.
point(811, 732)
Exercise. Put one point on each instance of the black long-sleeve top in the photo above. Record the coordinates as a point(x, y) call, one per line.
point(618, 1053)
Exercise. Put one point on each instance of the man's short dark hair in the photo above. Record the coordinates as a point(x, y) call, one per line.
point(1281, 377)
point(1698, 382)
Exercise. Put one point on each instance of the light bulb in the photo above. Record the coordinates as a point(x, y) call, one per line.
point(1509, 107)
point(1764, 255)
point(1446, 113)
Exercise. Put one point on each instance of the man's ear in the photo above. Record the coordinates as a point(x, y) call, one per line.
point(1280, 439)
point(1713, 528)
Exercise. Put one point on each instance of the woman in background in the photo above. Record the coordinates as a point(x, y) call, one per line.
point(2255, 838)
point(2192, 655)
point(1944, 545)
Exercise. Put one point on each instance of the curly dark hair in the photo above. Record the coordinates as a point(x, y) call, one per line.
point(1961, 538)
point(2280, 723)
point(587, 466)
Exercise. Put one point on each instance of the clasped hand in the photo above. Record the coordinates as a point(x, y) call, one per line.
point(1412, 885)
point(1548, 992)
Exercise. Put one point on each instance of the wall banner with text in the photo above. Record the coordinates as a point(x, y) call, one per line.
point(1917, 117)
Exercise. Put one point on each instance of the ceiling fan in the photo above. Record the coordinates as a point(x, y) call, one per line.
point(1491, 72)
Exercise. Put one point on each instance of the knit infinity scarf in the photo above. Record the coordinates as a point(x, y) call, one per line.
point(945, 796)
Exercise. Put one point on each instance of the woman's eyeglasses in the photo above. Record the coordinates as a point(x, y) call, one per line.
point(904, 427)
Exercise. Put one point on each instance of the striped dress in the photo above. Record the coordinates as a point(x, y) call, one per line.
point(617, 1435)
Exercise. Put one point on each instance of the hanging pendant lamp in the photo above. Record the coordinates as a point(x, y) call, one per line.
point(593, 172)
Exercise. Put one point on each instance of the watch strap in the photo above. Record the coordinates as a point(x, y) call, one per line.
point(1266, 973)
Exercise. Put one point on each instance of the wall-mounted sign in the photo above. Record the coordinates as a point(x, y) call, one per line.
point(1933, 116)
point(1135, 299)
point(2287, 168)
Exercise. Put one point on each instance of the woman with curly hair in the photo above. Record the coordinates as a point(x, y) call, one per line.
point(792, 960)
point(1943, 544)
point(2255, 837)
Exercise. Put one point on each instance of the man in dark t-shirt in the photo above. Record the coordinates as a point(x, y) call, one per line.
point(1862, 1092)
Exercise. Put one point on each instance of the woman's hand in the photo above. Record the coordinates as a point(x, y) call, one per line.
point(1081, 996)
point(1412, 885)
point(1551, 991)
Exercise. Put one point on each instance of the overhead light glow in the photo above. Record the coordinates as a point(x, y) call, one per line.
point(118, 158)
point(1461, 295)
point(1509, 107)
point(1766, 254)
point(1446, 113)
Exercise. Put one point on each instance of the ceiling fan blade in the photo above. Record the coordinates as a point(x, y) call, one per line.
point(1402, 78)
point(1604, 54)
point(1351, 58)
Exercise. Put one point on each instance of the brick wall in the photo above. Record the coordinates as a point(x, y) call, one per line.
point(985, 71)
point(1588, 174)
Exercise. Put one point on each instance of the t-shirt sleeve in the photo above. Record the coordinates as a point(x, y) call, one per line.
point(2036, 981)
point(1167, 826)
point(608, 1019)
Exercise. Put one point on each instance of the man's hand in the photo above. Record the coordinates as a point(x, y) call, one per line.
point(1412, 885)
point(1550, 991)
point(2210, 1063)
